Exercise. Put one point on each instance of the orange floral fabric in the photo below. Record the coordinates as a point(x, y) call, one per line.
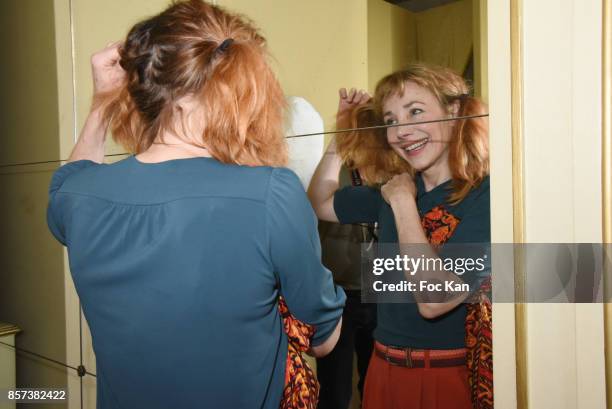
point(439, 226)
point(479, 344)
point(301, 386)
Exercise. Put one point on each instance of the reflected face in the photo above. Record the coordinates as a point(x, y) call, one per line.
point(424, 146)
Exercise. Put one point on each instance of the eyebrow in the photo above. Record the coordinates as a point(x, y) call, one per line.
point(407, 106)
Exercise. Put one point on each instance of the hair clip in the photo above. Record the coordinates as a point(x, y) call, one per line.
point(224, 45)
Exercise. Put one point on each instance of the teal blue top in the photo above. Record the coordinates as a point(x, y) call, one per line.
point(179, 266)
point(401, 324)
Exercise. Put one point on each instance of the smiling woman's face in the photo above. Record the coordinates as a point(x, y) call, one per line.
point(424, 146)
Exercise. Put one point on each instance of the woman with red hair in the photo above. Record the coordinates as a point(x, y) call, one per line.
point(429, 187)
point(197, 259)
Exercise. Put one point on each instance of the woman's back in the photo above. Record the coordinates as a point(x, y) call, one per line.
point(179, 266)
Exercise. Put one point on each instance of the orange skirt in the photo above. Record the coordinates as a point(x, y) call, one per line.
point(389, 386)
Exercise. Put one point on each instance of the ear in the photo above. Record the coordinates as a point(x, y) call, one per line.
point(453, 108)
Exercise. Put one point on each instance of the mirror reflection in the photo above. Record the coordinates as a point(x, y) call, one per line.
point(191, 265)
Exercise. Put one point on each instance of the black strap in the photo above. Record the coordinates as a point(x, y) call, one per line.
point(369, 227)
point(356, 178)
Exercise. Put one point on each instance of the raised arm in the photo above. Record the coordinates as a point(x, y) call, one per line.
point(324, 184)
point(107, 76)
point(325, 181)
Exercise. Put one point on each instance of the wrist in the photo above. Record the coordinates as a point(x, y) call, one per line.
point(95, 114)
point(332, 148)
point(97, 118)
point(402, 200)
point(94, 129)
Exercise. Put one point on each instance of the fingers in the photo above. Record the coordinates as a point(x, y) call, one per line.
point(112, 51)
point(354, 96)
point(365, 97)
point(109, 55)
point(107, 72)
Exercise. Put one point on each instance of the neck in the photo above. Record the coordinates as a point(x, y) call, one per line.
point(435, 176)
point(170, 147)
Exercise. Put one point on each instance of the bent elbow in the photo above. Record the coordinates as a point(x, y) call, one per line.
point(317, 210)
point(321, 350)
point(328, 345)
point(316, 203)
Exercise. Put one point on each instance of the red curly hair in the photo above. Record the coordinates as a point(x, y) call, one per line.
point(377, 162)
point(183, 52)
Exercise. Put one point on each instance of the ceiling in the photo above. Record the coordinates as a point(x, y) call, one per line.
point(419, 5)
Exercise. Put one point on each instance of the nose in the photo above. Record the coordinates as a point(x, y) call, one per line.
point(404, 132)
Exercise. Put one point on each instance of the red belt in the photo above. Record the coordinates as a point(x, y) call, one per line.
point(420, 358)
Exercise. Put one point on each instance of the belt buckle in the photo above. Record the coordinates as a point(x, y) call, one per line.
point(408, 357)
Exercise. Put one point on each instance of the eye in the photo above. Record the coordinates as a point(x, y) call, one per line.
point(416, 111)
point(390, 121)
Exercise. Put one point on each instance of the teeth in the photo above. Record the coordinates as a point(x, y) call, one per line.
point(416, 145)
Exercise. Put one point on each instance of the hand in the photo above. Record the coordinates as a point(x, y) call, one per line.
point(106, 71)
point(348, 102)
point(400, 187)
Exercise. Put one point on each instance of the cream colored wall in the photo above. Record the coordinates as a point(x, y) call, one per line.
point(562, 125)
point(31, 283)
point(562, 111)
point(318, 45)
point(562, 191)
point(391, 39)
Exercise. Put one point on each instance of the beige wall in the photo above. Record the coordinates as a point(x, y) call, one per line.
point(562, 125)
point(392, 41)
point(319, 46)
point(31, 265)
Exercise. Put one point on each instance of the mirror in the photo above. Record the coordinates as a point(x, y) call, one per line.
point(318, 46)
